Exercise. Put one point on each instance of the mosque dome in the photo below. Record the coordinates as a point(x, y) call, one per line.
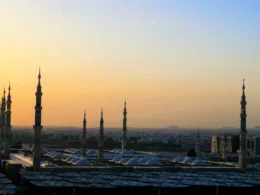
point(152, 162)
point(91, 151)
point(117, 158)
point(58, 155)
point(123, 160)
point(49, 153)
point(75, 151)
point(133, 161)
point(178, 159)
point(143, 160)
point(188, 160)
point(82, 162)
point(119, 150)
point(68, 158)
point(52, 154)
point(199, 163)
point(74, 160)
point(70, 150)
point(114, 150)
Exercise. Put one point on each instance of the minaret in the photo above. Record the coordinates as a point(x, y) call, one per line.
point(224, 150)
point(243, 132)
point(124, 130)
point(37, 126)
point(1, 135)
point(83, 146)
point(8, 127)
point(101, 137)
point(198, 144)
point(3, 108)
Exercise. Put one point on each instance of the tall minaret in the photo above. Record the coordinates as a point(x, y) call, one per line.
point(243, 132)
point(198, 144)
point(224, 150)
point(1, 135)
point(124, 130)
point(8, 127)
point(83, 146)
point(37, 126)
point(3, 108)
point(101, 137)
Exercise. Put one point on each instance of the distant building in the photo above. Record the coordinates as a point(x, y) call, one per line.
point(217, 143)
point(253, 146)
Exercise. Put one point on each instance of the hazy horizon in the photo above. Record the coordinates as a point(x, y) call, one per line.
point(175, 62)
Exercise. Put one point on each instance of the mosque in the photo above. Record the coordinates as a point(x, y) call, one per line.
point(81, 169)
point(83, 156)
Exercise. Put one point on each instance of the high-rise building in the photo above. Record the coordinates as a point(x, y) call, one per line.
point(224, 151)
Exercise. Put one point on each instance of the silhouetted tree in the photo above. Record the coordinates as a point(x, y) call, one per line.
point(191, 153)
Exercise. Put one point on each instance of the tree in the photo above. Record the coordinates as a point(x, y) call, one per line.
point(191, 153)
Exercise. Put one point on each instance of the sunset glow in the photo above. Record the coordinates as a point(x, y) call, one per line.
point(175, 62)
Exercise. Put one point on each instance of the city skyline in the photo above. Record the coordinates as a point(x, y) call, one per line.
point(94, 56)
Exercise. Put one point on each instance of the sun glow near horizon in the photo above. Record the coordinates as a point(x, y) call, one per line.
point(184, 70)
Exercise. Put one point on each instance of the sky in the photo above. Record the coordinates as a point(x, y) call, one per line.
point(176, 62)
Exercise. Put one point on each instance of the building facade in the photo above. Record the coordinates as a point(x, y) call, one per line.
point(218, 141)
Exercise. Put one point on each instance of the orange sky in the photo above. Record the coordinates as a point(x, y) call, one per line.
point(173, 70)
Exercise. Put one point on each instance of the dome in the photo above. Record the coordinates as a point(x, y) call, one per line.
point(76, 151)
point(49, 153)
point(82, 162)
point(58, 155)
point(178, 159)
point(70, 161)
point(152, 162)
point(75, 160)
point(117, 158)
point(73, 150)
point(119, 150)
point(133, 161)
point(153, 157)
point(123, 160)
point(52, 154)
point(143, 160)
point(68, 158)
point(199, 163)
point(91, 151)
point(188, 160)
point(114, 150)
